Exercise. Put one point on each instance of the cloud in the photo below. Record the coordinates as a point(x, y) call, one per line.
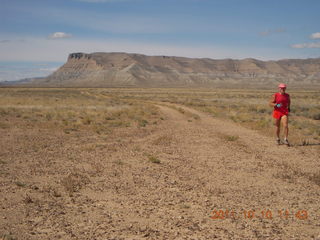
point(315, 35)
point(59, 35)
point(311, 44)
point(306, 45)
point(272, 31)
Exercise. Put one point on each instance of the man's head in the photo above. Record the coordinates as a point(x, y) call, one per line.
point(282, 87)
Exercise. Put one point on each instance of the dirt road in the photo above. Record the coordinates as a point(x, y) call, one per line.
point(188, 177)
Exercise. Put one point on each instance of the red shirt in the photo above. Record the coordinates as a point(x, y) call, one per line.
point(284, 100)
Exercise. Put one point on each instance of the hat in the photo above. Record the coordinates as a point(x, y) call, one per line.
point(282, 85)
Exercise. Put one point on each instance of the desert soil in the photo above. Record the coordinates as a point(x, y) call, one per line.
point(185, 178)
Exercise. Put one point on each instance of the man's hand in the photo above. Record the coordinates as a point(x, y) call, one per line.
point(278, 105)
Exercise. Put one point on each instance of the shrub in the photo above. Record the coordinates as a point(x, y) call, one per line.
point(232, 138)
point(154, 159)
point(143, 123)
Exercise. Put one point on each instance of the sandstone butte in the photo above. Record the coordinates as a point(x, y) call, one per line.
point(137, 70)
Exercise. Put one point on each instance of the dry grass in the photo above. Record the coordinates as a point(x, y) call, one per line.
point(247, 107)
point(72, 110)
point(101, 110)
point(20, 184)
point(231, 138)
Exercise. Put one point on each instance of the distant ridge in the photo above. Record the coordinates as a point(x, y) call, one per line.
point(21, 81)
point(137, 70)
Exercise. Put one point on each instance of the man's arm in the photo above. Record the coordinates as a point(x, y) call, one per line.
point(272, 101)
point(289, 102)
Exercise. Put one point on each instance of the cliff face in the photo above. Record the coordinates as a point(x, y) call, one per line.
point(122, 69)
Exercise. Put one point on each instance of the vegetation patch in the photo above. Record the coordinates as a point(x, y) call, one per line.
point(20, 184)
point(231, 138)
point(154, 159)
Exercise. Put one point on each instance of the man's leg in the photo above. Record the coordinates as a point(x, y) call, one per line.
point(277, 125)
point(284, 120)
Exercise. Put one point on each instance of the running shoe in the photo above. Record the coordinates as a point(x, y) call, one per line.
point(278, 142)
point(286, 142)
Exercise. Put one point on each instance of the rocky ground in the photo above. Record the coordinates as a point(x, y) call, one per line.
point(189, 177)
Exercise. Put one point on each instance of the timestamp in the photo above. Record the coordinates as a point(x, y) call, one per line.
point(261, 214)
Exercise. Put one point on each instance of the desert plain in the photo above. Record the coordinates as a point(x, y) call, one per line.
point(156, 163)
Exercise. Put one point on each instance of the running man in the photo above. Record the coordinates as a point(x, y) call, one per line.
point(280, 101)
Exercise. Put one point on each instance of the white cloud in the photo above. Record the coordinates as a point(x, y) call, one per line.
point(306, 45)
point(59, 35)
point(315, 35)
point(311, 44)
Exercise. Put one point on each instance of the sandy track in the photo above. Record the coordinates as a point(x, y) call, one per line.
point(85, 187)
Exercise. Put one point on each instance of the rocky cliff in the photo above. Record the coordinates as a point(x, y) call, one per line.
point(122, 69)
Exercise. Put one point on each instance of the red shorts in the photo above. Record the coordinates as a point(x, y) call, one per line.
point(278, 115)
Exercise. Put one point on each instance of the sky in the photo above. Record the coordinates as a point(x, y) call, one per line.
point(36, 36)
